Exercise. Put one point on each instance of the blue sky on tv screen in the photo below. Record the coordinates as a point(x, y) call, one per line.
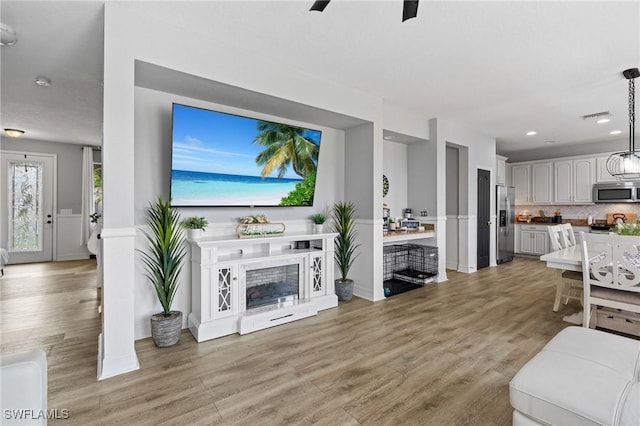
point(215, 142)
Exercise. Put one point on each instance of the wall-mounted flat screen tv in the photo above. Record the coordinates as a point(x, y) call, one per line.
point(221, 159)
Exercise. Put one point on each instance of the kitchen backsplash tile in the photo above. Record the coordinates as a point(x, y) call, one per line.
point(597, 211)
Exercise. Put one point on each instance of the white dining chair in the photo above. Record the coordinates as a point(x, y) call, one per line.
point(569, 285)
point(611, 274)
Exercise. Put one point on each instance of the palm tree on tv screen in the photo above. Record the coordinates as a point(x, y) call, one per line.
point(285, 145)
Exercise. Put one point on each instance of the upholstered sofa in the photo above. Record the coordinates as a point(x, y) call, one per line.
point(581, 377)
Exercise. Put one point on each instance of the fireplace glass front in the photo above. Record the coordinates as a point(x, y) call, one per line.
point(272, 285)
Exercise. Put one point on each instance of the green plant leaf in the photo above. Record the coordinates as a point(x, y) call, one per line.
point(344, 217)
point(164, 257)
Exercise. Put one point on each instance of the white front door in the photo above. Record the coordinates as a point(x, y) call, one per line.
point(26, 202)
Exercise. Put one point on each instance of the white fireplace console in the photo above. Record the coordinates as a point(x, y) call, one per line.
point(219, 268)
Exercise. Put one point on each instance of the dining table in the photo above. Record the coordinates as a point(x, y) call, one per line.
point(568, 259)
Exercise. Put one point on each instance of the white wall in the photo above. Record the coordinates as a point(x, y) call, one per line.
point(153, 174)
point(363, 186)
point(452, 208)
point(401, 120)
point(68, 191)
point(132, 33)
point(69, 167)
point(395, 169)
point(477, 152)
point(68, 244)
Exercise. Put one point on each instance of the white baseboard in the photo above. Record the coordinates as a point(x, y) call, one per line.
point(68, 244)
point(73, 256)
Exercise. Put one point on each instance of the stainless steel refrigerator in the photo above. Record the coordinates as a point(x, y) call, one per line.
point(505, 200)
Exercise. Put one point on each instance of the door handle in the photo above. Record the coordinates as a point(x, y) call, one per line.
point(489, 223)
point(49, 221)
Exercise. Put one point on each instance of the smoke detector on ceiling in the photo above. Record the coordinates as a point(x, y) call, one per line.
point(42, 81)
point(8, 35)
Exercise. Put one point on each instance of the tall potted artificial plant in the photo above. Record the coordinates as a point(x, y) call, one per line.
point(163, 263)
point(344, 221)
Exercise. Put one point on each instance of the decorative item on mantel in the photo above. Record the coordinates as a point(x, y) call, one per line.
point(258, 226)
point(195, 226)
point(318, 222)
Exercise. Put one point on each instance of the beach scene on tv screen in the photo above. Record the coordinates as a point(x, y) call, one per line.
point(221, 159)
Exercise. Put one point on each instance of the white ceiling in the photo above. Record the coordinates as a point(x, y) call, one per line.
point(500, 67)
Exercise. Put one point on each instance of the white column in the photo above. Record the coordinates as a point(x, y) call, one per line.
point(117, 353)
point(363, 186)
point(116, 344)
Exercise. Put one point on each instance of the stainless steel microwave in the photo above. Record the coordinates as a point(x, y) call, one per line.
point(617, 192)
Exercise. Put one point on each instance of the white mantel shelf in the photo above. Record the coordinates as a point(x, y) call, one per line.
point(399, 236)
point(287, 236)
point(218, 281)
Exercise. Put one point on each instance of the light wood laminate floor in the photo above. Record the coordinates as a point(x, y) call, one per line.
point(441, 355)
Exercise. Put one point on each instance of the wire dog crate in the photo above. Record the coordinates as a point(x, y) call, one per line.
point(408, 266)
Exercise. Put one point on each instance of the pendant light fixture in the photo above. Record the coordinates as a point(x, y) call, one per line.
point(626, 164)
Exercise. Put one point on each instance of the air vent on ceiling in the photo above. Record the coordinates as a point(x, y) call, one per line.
point(596, 115)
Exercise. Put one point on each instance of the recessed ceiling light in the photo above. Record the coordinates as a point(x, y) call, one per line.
point(43, 81)
point(549, 141)
point(615, 132)
point(14, 133)
point(8, 35)
point(531, 133)
point(603, 120)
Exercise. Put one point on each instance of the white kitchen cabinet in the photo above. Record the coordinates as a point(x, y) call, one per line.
point(602, 175)
point(501, 170)
point(541, 183)
point(563, 181)
point(521, 181)
point(573, 180)
point(533, 182)
point(534, 239)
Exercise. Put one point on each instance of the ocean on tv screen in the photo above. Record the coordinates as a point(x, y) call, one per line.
point(221, 159)
point(216, 189)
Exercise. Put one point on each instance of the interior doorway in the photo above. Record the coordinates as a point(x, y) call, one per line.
point(27, 202)
point(484, 218)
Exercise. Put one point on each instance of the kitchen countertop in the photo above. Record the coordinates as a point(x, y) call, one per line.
point(395, 236)
point(573, 222)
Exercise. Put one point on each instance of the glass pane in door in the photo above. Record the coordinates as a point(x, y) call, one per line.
point(25, 206)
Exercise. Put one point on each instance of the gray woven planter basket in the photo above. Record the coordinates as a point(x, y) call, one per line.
point(344, 289)
point(166, 330)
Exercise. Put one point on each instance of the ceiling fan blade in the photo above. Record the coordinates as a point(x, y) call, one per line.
point(319, 5)
point(409, 9)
